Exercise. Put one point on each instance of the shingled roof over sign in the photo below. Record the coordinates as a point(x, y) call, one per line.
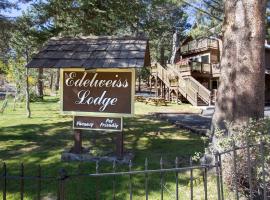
point(93, 52)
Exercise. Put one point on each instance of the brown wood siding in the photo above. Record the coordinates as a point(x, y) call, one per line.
point(267, 58)
point(214, 56)
point(196, 54)
point(267, 88)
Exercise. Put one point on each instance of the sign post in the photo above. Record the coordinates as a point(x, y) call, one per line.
point(77, 141)
point(98, 99)
point(119, 145)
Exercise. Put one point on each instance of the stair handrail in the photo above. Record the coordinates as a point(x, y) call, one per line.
point(188, 87)
point(163, 74)
point(202, 91)
point(190, 93)
point(181, 81)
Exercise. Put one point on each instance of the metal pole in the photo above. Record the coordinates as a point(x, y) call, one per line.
point(191, 179)
point(221, 176)
point(5, 182)
point(39, 183)
point(249, 171)
point(146, 179)
point(161, 179)
point(114, 170)
point(235, 172)
point(176, 179)
point(97, 181)
point(61, 189)
point(263, 169)
point(130, 181)
point(217, 175)
point(22, 182)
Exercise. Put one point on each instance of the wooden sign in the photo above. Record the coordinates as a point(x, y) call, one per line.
point(98, 123)
point(107, 92)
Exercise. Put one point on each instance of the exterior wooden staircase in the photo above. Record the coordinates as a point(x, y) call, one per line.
point(192, 90)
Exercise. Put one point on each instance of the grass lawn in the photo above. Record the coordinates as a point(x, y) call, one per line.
point(42, 138)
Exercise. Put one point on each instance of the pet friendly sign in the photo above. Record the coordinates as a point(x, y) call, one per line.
point(98, 93)
point(98, 123)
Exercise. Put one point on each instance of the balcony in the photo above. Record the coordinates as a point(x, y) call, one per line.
point(199, 45)
point(205, 68)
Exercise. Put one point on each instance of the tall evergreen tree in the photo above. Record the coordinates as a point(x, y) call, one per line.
point(6, 25)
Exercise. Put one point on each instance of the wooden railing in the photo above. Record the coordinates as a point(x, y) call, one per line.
point(199, 67)
point(199, 44)
point(189, 87)
point(163, 74)
point(202, 91)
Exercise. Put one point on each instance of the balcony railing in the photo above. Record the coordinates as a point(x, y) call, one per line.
point(199, 67)
point(197, 45)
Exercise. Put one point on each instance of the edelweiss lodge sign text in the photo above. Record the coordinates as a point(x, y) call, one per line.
point(109, 92)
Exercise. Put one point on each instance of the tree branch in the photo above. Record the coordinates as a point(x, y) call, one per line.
point(214, 7)
point(201, 10)
point(216, 2)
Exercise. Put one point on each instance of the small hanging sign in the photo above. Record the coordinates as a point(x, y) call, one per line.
point(98, 123)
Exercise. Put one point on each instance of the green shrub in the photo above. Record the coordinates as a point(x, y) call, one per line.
point(252, 134)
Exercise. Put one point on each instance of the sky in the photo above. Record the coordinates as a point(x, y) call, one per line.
point(15, 12)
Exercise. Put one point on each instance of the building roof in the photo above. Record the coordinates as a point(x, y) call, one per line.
point(93, 52)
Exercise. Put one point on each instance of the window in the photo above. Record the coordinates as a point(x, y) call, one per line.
point(214, 85)
point(205, 59)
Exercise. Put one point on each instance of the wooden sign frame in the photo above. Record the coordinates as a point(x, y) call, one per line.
point(98, 114)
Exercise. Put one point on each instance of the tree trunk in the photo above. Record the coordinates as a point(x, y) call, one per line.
point(51, 80)
point(40, 83)
point(57, 80)
point(175, 43)
point(162, 56)
point(28, 114)
point(240, 95)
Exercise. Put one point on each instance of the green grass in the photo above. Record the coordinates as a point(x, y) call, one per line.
point(42, 138)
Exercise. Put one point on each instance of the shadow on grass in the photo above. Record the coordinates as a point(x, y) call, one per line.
point(43, 143)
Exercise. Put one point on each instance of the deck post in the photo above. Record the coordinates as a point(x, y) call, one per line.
point(150, 84)
point(156, 84)
point(161, 89)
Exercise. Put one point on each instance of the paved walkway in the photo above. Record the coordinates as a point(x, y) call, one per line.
point(198, 123)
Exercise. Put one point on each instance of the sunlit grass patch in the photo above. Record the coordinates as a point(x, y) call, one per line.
point(42, 138)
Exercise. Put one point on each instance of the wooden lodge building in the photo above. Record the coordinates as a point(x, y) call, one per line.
point(194, 77)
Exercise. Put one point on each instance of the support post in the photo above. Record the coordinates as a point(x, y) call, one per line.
point(161, 89)
point(156, 89)
point(150, 84)
point(77, 148)
point(120, 145)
